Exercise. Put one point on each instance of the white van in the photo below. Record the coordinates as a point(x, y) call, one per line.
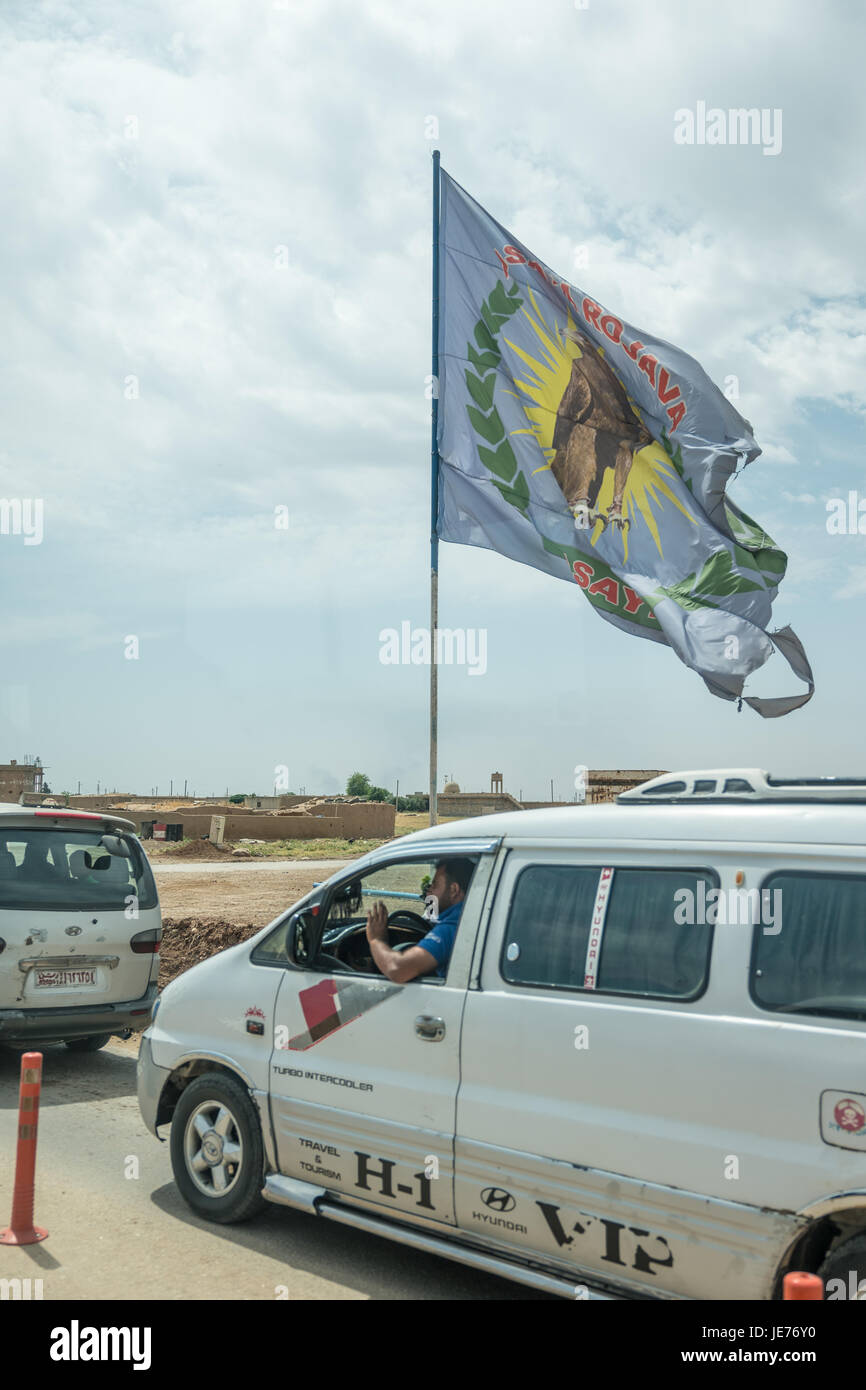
point(79, 928)
point(640, 1076)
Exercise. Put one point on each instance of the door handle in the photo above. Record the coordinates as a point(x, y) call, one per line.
point(429, 1028)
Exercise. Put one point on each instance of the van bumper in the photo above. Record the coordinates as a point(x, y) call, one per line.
point(150, 1081)
point(56, 1025)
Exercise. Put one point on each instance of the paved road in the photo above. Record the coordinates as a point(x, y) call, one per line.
point(117, 1235)
point(207, 866)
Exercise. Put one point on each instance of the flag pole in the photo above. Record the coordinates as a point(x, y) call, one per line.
point(434, 509)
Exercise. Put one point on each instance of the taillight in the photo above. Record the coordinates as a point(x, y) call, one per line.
point(146, 943)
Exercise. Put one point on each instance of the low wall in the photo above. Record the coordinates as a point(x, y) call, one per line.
point(373, 820)
point(546, 805)
point(476, 803)
point(273, 803)
point(249, 827)
point(120, 799)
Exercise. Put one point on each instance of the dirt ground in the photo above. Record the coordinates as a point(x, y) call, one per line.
point(205, 913)
point(189, 940)
point(243, 895)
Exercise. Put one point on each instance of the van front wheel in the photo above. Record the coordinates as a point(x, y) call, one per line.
point(216, 1149)
point(846, 1265)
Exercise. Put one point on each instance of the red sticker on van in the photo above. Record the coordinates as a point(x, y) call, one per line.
point(849, 1114)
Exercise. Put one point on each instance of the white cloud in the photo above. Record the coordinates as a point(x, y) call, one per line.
point(855, 584)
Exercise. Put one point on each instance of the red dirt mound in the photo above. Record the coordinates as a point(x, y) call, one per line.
point(199, 849)
point(188, 940)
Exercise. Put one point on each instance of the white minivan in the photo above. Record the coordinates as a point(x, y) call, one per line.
point(80, 928)
point(643, 1073)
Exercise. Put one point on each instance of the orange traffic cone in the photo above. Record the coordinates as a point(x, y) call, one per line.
point(21, 1230)
point(799, 1285)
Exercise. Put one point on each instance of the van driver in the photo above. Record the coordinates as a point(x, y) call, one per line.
point(432, 953)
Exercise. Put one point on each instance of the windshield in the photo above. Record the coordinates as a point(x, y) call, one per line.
point(60, 869)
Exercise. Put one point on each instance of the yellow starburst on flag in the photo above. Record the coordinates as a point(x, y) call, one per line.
point(541, 390)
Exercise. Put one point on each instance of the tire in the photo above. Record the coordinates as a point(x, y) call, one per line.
point(217, 1155)
point(844, 1259)
point(91, 1044)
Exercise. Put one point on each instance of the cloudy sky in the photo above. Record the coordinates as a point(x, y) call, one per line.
point(215, 278)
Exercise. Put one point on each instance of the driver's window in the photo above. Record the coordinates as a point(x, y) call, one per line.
point(402, 887)
point(399, 886)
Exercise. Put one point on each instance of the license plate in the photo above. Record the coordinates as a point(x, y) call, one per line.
point(64, 979)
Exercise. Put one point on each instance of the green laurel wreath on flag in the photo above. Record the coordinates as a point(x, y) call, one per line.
point(485, 357)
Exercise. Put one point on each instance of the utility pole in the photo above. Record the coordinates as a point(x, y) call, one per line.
point(397, 797)
point(184, 786)
point(551, 788)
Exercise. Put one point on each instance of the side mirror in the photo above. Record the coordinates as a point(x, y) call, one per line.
point(115, 846)
point(300, 942)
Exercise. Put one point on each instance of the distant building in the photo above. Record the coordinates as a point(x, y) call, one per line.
point(17, 778)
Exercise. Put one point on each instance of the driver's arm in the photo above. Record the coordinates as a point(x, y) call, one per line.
point(397, 966)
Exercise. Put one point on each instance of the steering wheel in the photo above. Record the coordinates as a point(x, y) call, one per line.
point(402, 917)
point(414, 919)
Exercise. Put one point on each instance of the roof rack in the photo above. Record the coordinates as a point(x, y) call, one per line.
point(742, 784)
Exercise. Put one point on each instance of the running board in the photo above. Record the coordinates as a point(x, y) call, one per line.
point(291, 1192)
point(303, 1196)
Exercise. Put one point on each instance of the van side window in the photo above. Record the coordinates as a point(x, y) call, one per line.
point(649, 942)
point(547, 931)
point(809, 946)
point(655, 941)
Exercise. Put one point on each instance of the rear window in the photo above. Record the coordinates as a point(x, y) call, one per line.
point(809, 950)
point(61, 869)
point(645, 943)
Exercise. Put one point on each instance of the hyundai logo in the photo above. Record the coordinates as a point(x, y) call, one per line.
point(498, 1199)
point(73, 931)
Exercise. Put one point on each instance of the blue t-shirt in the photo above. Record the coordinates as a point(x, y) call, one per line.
point(440, 941)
